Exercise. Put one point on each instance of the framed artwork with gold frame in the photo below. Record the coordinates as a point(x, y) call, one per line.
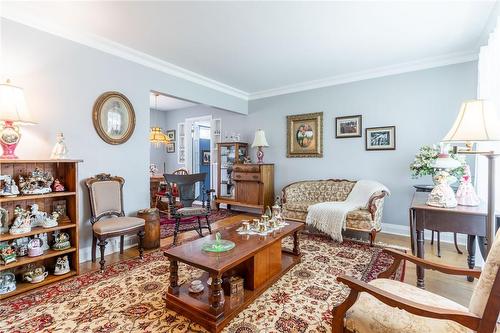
point(305, 135)
point(113, 117)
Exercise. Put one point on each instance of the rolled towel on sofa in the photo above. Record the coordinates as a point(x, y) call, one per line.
point(330, 217)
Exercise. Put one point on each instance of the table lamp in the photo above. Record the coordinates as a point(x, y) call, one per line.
point(478, 121)
point(13, 112)
point(260, 141)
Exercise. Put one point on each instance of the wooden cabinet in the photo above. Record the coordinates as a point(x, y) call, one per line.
point(66, 172)
point(245, 185)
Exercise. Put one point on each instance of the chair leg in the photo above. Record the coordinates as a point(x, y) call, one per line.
point(176, 230)
point(102, 245)
point(122, 241)
point(200, 231)
point(94, 248)
point(140, 234)
point(373, 234)
point(439, 243)
point(208, 224)
point(456, 243)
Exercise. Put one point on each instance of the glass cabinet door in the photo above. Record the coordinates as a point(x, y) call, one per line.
point(227, 159)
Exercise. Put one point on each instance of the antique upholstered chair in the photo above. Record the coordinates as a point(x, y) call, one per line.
point(187, 195)
point(388, 306)
point(108, 218)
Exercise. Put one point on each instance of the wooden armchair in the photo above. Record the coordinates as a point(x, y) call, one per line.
point(378, 306)
point(108, 218)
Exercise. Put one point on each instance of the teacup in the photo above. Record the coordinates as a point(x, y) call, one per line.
point(262, 227)
point(245, 225)
point(256, 223)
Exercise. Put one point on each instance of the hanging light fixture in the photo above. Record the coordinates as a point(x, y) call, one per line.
point(156, 136)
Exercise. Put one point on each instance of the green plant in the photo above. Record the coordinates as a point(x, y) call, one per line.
point(422, 165)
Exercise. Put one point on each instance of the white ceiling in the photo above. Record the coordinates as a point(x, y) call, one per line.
point(167, 103)
point(257, 47)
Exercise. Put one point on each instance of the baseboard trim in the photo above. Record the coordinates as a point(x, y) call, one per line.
point(404, 230)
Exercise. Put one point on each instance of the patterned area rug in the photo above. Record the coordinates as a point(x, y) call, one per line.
point(167, 225)
point(127, 297)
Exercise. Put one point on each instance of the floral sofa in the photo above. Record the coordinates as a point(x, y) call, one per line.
point(297, 197)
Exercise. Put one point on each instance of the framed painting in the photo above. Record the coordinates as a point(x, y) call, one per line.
point(381, 138)
point(171, 135)
point(305, 135)
point(170, 147)
point(113, 117)
point(205, 157)
point(348, 127)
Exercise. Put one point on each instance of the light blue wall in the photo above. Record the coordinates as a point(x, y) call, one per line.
point(422, 105)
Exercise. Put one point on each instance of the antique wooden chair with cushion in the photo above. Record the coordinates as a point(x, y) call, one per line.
point(388, 306)
point(187, 195)
point(108, 218)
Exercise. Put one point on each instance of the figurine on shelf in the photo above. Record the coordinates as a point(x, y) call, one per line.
point(61, 241)
point(22, 222)
point(35, 247)
point(20, 245)
point(466, 195)
point(4, 220)
point(35, 274)
point(7, 254)
point(39, 182)
point(58, 186)
point(7, 282)
point(60, 151)
point(44, 237)
point(9, 187)
point(41, 219)
point(62, 266)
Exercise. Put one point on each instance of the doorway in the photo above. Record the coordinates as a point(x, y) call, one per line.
point(200, 149)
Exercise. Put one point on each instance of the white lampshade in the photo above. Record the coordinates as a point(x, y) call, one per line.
point(445, 162)
point(477, 121)
point(13, 105)
point(260, 139)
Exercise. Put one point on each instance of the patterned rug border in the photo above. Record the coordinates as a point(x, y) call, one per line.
point(41, 295)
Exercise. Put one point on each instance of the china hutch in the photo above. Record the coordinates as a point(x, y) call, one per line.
point(242, 184)
point(66, 172)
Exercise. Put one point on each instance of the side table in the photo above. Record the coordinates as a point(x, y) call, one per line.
point(151, 228)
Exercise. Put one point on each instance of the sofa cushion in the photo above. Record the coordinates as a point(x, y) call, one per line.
point(298, 206)
point(318, 191)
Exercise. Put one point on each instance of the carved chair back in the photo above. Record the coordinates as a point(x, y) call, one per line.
point(106, 196)
point(187, 186)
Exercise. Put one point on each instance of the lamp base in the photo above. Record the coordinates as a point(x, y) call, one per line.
point(260, 155)
point(9, 138)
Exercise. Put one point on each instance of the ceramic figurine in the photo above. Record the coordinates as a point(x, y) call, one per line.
point(60, 151)
point(20, 245)
point(44, 237)
point(41, 219)
point(276, 210)
point(62, 266)
point(22, 222)
point(7, 282)
point(58, 186)
point(466, 195)
point(61, 241)
point(39, 182)
point(7, 254)
point(35, 274)
point(9, 187)
point(35, 247)
point(442, 195)
point(4, 221)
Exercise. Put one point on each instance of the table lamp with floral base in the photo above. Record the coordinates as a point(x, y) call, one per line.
point(13, 112)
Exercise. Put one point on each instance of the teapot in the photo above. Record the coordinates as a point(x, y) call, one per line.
point(7, 282)
point(36, 275)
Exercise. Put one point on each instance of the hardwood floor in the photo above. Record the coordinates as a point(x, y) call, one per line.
point(453, 287)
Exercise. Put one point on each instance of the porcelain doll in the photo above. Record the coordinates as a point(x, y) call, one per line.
point(58, 186)
point(62, 266)
point(466, 195)
point(22, 222)
point(442, 195)
point(9, 188)
point(60, 151)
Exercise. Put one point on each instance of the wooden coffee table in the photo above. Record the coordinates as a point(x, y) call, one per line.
point(260, 260)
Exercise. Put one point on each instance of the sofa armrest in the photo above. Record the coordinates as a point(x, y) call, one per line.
point(374, 200)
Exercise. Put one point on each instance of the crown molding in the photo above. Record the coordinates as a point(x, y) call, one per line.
point(426, 63)
point(24, 16)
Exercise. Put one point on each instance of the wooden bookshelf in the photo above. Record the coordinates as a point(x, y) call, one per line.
point(67, 172)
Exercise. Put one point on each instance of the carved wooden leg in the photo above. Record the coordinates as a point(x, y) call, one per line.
point(373, 234)
point(456, 243)
point(296, 245)
point(200, 231)
point(439, 243)
point(208, 225)
point(94, 248)
point(141, 244)
point(340, 310)
point(102, 245)
point(471, 258)
point(217, 297)
point(122, 241)
point(420, 254)
point(174, 277)
point(176, 229)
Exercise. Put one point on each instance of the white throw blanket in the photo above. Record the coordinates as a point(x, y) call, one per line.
point(330, 217)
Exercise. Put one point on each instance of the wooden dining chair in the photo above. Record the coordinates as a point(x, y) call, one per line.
point(108, 218)
point(162, 193)
point(386, 306)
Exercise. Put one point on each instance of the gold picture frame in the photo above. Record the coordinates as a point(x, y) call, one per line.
point(305, 135)
point(113, 117)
